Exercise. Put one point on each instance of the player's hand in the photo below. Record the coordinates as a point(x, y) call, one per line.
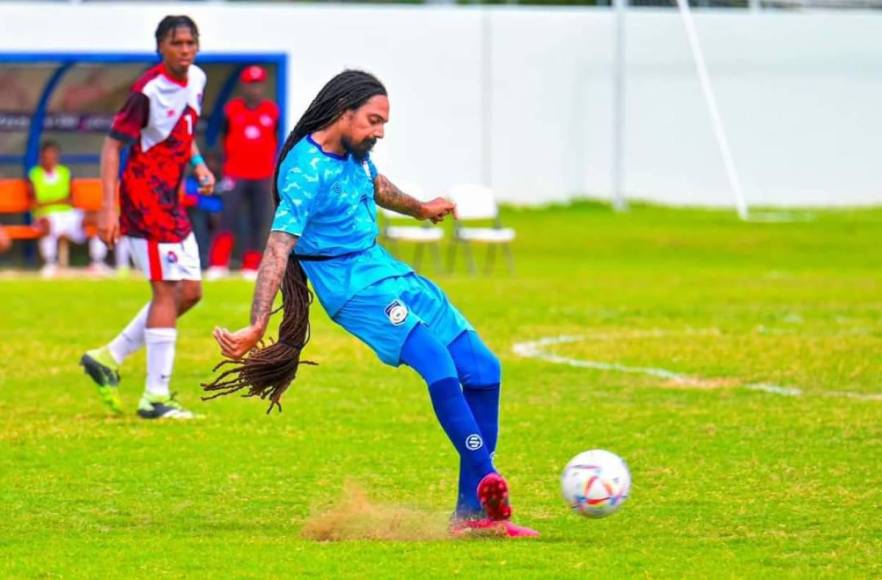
point(108, 226)
point(437, 209)
point(205, 178)
point(237, 344)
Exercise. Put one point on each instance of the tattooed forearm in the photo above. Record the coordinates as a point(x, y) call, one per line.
point(269, 278)
point(387, 195)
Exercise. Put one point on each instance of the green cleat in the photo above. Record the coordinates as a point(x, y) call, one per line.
point(159, 407)
point(101, 367)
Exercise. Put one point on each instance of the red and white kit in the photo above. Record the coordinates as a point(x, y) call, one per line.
point(159, 121)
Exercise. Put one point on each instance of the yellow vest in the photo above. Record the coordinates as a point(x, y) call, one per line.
point(51, 187)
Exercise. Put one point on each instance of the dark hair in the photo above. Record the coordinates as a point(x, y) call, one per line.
point(268, 370)
point(170, 23)
point(347, 91)
point(49, 144)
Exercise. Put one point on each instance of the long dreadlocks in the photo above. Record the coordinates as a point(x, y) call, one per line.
point(269, 369)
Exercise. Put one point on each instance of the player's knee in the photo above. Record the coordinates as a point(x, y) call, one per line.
point(491, 368)
point(191, 295)
point(478, 367)
point(164, 293)
point(486, 373)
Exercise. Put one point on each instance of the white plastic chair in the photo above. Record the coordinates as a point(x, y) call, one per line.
point(420, 236)
point(478, 203)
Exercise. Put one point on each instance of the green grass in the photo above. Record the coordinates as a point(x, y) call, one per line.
point(728, 482)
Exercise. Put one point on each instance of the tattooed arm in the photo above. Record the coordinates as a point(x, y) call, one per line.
point(387, 195)
point(279, 246)
point(269, 278)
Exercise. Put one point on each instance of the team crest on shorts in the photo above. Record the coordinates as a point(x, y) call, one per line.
point(172, 257)
point(396, 312)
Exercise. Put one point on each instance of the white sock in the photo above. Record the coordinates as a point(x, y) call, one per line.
point(131, 338)
point(160, 359)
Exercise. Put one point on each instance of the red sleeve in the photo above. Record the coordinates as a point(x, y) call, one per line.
point(133, 117)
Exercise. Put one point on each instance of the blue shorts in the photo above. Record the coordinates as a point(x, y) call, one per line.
point(383, 314)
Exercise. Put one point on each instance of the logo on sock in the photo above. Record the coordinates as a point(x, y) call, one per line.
point(396, 312)
point(474, 442)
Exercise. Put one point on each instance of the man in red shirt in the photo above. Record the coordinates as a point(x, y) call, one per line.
point(250, 142)
point(157, 122)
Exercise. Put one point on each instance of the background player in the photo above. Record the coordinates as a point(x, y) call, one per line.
point(158, 120)
point(327, 191)
point(250, 144)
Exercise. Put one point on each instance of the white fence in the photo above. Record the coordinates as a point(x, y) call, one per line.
point(524, 95)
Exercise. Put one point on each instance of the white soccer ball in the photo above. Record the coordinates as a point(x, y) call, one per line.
point(595, 483)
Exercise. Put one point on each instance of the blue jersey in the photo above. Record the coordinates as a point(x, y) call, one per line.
point(327, 200)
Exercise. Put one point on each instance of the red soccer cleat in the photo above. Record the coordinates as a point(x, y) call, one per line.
point(485, 527)
point(493, 495)
point(513, 530)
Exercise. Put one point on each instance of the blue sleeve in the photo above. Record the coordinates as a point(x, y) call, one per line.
point(372, 168)
point(298, 190)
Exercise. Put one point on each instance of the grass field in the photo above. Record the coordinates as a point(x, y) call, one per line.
point(730, 480)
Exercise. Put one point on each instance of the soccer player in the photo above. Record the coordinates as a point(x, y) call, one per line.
point(49, 185)
point(158, 121)
point(250, 144)
point(327, 190)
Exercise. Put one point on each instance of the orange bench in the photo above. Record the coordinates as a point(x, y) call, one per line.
point(14, 199)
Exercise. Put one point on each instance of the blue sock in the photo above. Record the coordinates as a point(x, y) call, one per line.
point(426, 355)
point(485, 407)
point(479, 371)
point(458, 422)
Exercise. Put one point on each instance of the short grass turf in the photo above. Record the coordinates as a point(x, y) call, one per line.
point(728, 481)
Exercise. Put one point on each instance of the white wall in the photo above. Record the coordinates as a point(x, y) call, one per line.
point(799, 93)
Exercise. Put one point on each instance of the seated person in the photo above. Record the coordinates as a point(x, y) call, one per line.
point(53, 212)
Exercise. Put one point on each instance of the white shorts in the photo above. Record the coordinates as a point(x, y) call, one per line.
point(68, 224)
point(168, 261)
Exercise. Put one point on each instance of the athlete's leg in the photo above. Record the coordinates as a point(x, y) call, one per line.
point(189, 295)
point(479, 373)
point(407, 319)
point(429, 357)
point(161, 334)
point(131, 339)
point(163, 304)
point(479, 369)
point(160, 337)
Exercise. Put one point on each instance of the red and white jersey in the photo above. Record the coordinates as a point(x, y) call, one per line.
point(158, 120)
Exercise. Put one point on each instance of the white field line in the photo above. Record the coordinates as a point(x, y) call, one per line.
point(539, 349)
